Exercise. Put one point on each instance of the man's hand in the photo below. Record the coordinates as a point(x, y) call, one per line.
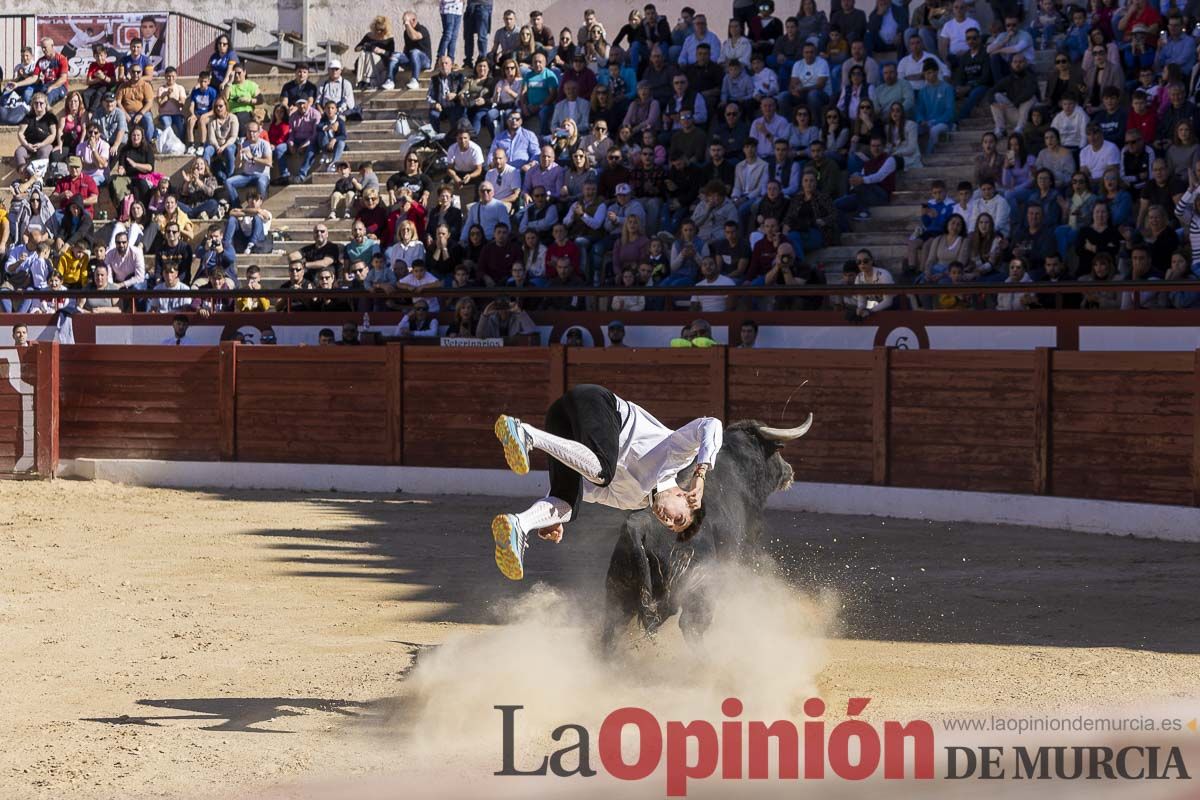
point(695, 496)
point(552, 534)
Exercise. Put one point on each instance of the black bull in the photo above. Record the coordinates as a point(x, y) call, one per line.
point(653, 576)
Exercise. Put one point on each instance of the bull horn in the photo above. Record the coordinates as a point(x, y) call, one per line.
point(786, 434)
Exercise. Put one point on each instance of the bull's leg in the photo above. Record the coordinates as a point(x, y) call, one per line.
point(619, 609)
point(696, 612)
point(647, 605)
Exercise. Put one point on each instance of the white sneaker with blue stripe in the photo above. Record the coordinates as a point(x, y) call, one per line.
point(511, 542)
point(516, 444)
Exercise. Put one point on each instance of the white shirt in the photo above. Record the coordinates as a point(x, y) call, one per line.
point(430, 280)
point(166, 305)
point(1094, 163)
point(809, 74)
point(506, 184)
point(465, 160)
point(956, 32)
point(912, 70)
point(713, 302)
point(879, 302)
point(650, 455)
point(1072, 129)
point(171, 340)
point(998, 208)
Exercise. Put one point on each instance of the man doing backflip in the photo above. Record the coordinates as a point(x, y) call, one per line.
point(606, 450)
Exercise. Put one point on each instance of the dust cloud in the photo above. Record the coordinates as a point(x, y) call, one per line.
point(765, 647)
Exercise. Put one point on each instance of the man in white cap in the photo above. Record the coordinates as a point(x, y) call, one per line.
point(624, 206)
point(606, 450)
point(338, 89)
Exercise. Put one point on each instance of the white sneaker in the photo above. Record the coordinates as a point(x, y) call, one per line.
point(388, 86)
point(249, 249)
point(332, 215)
point(346, 215)
point(331, 168)
point(412, 84)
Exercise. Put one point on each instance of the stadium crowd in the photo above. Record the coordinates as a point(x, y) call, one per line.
point(633, 155)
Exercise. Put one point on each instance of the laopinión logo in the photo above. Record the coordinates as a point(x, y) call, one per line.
point(737, 749)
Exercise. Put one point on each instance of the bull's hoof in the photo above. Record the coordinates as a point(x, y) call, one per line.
point(510, 546)
point(512, 438)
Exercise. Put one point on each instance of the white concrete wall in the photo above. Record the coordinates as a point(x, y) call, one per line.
point(1176, 523)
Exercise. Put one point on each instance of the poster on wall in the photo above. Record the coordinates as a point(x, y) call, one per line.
point(76, 34)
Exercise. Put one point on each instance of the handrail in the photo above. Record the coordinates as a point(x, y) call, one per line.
point(1036, 287)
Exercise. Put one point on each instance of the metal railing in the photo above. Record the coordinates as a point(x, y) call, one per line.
point(190, 42)
point(1036, 287)
point(16, 31)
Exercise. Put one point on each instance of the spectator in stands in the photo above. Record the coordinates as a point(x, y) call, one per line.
point(126, 264)
point(221, 63)
point(377, 47)
point(101, 77)
point(37, 135)
point(935, 105)
point(196, 194)
point(299, 86)
point(501, 320)
point(443, 253)
point(133, 168)
point(418, 322)
point(49, 76)
point(465, 160)
point(498, 256)
point(477, 99)
point(1103, 271)
point(135, 96)
point(337, 90)
point(871, 275)
point(243, 96)
point(175, 251)
point(170, 282)
point(873, 185)
point(445, 94)
point(330, 141)
point(248, 229)
point(221, 141)
point(714, 212)
point(214, 253)
point(200, 106)
point(487, 213)
point(539, 92)
point(519, 143)
point(912, 67)
point(253, 159)
point(1014, 97)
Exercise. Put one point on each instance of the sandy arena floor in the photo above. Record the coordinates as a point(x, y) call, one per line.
point(161, 643)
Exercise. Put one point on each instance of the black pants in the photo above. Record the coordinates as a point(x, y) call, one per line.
point(586, 414)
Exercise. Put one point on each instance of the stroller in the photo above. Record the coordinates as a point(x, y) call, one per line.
point(428, 146)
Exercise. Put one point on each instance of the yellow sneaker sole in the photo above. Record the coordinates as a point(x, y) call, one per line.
point(506, 559)
point(514, 454)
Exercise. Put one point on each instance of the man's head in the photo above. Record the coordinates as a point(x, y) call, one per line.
point(748, 333)
point(1054, 265)
point(500, 234)
point(20, 335)
point(616, 331)
point(671, 508)
point(179, 325)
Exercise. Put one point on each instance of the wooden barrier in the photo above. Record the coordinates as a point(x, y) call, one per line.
point(18, 382)
point(139, 402)
point(1120, 426)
